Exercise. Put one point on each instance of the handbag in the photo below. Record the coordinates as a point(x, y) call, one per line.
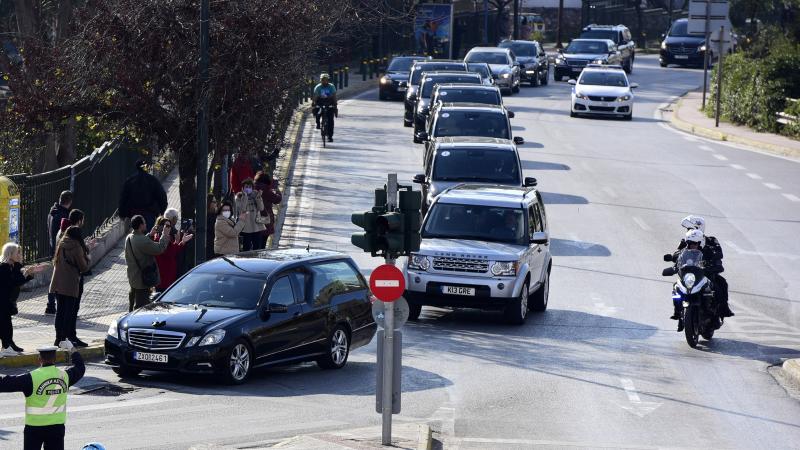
point(149, 273)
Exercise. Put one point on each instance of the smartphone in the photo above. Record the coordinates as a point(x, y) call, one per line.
point(187, 224)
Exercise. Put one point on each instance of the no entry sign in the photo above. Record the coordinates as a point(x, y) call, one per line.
point(387, 283)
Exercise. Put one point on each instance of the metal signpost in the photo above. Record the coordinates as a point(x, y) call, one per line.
point(705, 16)
point(723, 40)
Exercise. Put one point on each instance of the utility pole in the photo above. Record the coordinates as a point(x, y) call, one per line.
point(516, 19)
point(560, 18)
point(202, 140)
point(485, 22)
point(706, 57)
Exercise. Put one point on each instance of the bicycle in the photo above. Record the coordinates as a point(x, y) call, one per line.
point(325, 111)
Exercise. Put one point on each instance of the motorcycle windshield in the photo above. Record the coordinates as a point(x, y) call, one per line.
point(690, 258)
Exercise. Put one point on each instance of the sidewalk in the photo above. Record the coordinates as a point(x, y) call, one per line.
point(404, 436)
point(686, 116)
point(105, 298)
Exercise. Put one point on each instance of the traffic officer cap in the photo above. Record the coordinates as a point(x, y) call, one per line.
point(47, 349)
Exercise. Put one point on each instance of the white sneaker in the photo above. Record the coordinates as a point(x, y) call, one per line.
point(8, 351)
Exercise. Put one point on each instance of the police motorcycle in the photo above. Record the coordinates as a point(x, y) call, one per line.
point(694, 294)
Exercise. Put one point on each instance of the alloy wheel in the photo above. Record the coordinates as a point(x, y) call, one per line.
point(524, 301)
point(339, 347)
point(239, 362)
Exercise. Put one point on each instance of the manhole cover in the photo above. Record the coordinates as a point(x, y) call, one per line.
point(106, 390)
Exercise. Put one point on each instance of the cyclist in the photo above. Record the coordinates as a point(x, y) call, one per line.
point(324, 95)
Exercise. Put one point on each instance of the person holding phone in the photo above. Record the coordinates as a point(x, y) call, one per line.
point(227, 229)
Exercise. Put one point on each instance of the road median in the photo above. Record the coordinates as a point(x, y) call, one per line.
point(791, 367)
point(93, 352)
point(409, 436)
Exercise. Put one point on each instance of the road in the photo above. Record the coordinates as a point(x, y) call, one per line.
point(603, 367)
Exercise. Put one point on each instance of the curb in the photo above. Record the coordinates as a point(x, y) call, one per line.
point(424, 437)
point(90, 353)
point(791, 367)
point(716, 135)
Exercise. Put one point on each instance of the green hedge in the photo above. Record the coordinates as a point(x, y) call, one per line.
point(755, 89)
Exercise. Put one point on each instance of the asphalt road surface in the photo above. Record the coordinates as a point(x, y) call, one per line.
point(602, 367)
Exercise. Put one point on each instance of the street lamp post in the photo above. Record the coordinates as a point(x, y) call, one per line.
point(202, 140)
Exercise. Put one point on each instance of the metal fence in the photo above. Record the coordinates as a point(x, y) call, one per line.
point(96, 182)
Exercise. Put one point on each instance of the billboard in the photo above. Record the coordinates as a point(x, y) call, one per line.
point(433, 30)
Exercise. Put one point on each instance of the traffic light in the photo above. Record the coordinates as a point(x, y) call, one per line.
point(390, 233)
point(366, 241)
point(410, 205)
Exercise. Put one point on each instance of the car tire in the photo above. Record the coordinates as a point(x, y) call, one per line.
point(629, 116)
point(540, 298)
point(414, 311)
point(517, 309)
point(572, 113)
point(126, 372)
point(338, 349)
point(382, 96)
point(536, 81)
point(546, 77)
point(662, 64)
point(515, 89)
point(407, 124)
point(238, 363)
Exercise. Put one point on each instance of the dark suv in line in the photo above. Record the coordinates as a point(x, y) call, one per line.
point(414, 80)
point(681, 48)
point(233, 314)
point(394, 82)
point(426, 88)
point(622, 38)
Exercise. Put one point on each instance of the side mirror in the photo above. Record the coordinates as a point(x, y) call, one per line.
point(519, 140)
point(419, 178)
point(540, 237)
point(264, 313)
point(668, 257)
point(530, 182)
point(668, 272)
point(572, 82)
point(634, 85)
point(510, 114)
point(278, 308)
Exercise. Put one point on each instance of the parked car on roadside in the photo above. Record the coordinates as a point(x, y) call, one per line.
point(505, 68)
point(534, 66)
point(622, 38)
point(394, 83)
point(415, 78)
point(429, 82)
point(233, 314)
point(681, 48)
point(581, 52)
point(602, 90)
point(484, 247)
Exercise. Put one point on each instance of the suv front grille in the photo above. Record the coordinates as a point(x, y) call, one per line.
point(596, 98)
point(460, 265)
point(577, 62)
point(680, 49)
point(155, 339)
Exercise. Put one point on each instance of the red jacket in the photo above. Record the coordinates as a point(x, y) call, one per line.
point(241, 170)
point(168, 263)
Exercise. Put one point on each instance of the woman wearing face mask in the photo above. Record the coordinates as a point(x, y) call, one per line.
point(251, 201)
point(226, 230)
point(167, 262)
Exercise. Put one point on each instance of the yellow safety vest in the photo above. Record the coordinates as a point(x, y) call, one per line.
point(47, 404)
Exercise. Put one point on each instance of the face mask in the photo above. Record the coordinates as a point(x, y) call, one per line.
point(248, 190)
point(226, 214)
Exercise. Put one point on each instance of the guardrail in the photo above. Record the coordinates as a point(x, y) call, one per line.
point(786, 118)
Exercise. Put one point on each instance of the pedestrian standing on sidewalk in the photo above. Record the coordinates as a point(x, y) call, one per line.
point(45, 391)
point(250, 201)
point(58, 212)
point(168, 261)
point(211, 218)
point(140, 253)
point(270, 195)
point(70, 262)
point(142, 194)
point(226, 230)
point(77, 219)
point(12, 276)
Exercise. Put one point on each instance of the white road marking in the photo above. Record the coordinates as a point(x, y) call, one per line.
point(737, 167)
point(792, 197)
point(610, 192)
point(527, 443)
point(304, 203)
point(772, 186)
point(720, 157)
point(742, 251)
point(102, 406)
point(641, 223)
point(754, 176)
point(637, 406)
point(706, 148)
point(690, 138)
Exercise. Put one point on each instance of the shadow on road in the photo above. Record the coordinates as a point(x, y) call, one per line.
point(553, 198)
point(750, 350)
point(566, 247)
point(541, 165)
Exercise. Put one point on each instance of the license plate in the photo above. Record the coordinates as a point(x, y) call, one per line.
point(577, 69)
point(604, 104)
point(401, 89)
point(457, 290)
point(150, 357)
point(681, 57)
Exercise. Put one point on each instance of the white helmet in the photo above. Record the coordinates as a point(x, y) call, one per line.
point(694, 223)
point(695, 236)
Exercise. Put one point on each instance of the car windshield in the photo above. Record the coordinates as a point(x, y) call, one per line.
point(593, 47)
point(475, 222)
point(216, 290)
point(521, 49)
point(487, 57)
point(472, 123)
point(430, 82)
point(690, 258)
point(416, 75)
point(458, 95)
point(481, 69)
point(478, 165)
point(599, 34)
point(680, 29)
point(401, 64)
point(603, 79)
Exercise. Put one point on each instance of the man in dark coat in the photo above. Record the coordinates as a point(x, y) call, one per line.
point(58, 212)
point(142, 194)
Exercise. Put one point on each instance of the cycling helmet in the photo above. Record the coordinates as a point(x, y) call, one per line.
point(695, 236)
point(93, 446)
point(324, 76)
point(694, 223)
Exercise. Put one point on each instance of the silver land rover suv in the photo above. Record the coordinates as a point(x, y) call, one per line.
point(484, 247)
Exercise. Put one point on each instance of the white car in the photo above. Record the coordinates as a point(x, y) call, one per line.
point(603, 90)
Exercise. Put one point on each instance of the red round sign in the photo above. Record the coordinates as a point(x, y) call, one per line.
point(387, 283)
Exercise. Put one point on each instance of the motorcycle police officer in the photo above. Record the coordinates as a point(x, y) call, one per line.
point(45, 392)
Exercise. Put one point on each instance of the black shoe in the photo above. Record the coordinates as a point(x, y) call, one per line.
point(318, 126)
point(50, 310)
point(680, 325)
point(726, 311)
point(675, 316)
point(15, 348)
point(78, 343)
point(330, 138)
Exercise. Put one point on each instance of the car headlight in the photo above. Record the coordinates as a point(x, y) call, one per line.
point(581, 96)
point(214, 337)
point(385, 80)
point(599, 61)
point(701, 48)
point(113, 329)
point(560, 60)
point(419, 262)
point(506, 75)
point(663, 45)
point(624, 98)
point(507, 268)
point(688, 280)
